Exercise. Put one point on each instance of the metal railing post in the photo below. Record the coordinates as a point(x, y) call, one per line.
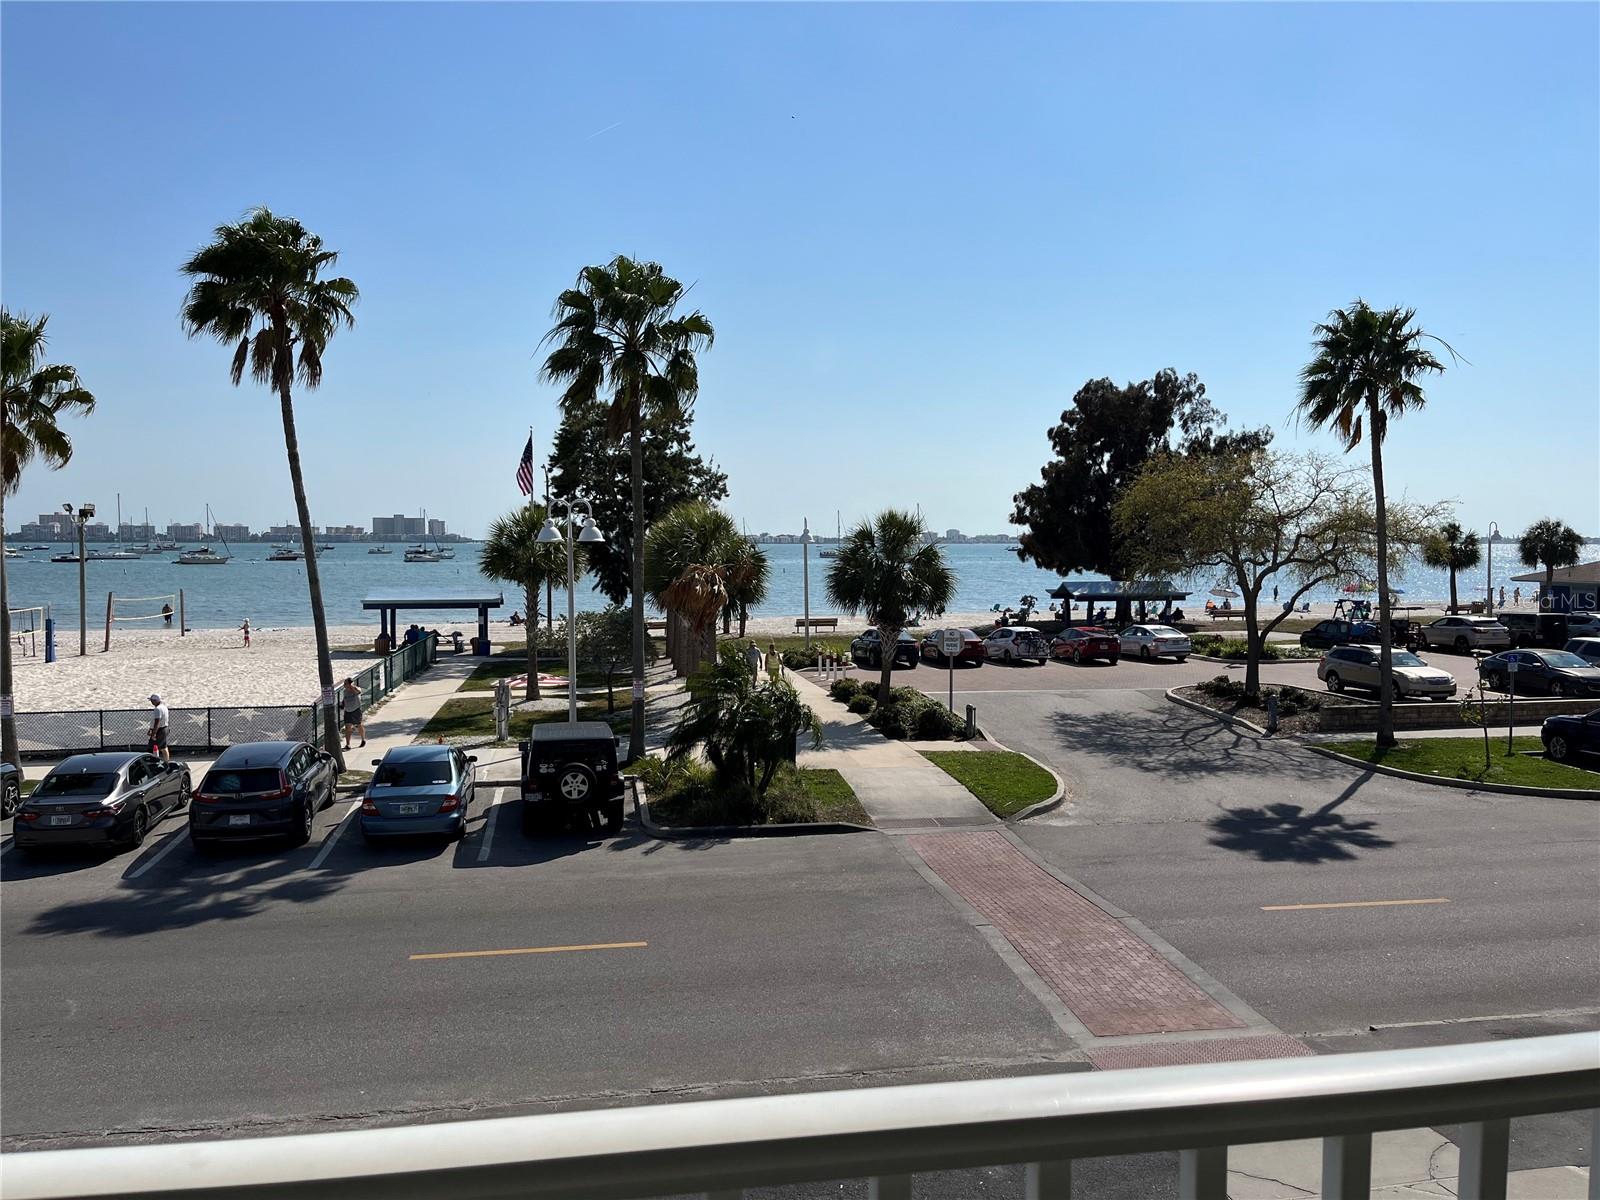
point(1347, 1167)
point(1203, 1174)
point(209, 742)
point(1049, 1180)
point(1485, 1158)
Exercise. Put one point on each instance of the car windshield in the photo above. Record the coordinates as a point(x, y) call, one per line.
point(232, 783)
point(1560, 658)
point(1402, 658)
point(1163, 631)
point(76, 784)
point(412, 774)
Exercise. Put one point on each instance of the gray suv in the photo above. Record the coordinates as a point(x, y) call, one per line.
point(262, 790)
point(1357, 666)
point(1464, 634)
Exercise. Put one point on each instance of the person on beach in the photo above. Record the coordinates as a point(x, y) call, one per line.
point(352, 712)
point(166, 615)
point(1516, 595)
point(159, 730)
point(1502, 595)
point(245, 629)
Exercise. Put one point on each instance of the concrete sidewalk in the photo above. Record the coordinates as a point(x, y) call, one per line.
point(898, 787)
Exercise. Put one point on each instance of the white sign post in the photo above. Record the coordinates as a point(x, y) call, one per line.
point(950, 644)
point(1511, 703)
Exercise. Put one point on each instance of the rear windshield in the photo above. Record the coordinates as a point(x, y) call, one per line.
point(232, 783)
point(76, 785)
point(1163, 630)
point(411, 774)
point(1483, 622)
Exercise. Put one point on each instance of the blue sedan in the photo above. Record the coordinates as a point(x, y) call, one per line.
point(1567, 737)
point(419, 790)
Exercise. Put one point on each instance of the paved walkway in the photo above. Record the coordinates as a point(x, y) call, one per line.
point(900, 789)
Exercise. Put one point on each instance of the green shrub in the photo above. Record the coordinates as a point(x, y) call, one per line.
point(861, 704)
point(937, 723)
point(844, 689)
point(1223, 687)
point(893, 721)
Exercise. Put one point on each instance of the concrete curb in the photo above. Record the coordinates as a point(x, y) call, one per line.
point(1507, 789)
point(1239, 662)
point(1171, 694)
point(679, 833)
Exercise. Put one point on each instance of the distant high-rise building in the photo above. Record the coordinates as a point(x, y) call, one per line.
point(954, 535)
point(234, 533)
point(287, 533)
point(435, 527)
point(59, 524)
point(132, 531)
point(185, 531)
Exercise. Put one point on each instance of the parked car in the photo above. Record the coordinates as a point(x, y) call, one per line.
point(10, 789)
point(1153, 641)
point(1085, 642)
point(1550, 630)
point(971, 647)
point(1540, 673)
point(419, 790)
point(1016, 643)
point(1583, 624)
point(569, 772)
point(1335, 631)
point(1358, 666)
point(1566, 737)
point(1463, 634)
point(105, 799)
point(867, 650)
point(1586, 648)
point(261, 790)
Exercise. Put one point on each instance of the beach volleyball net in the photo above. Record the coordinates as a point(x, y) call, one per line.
point(27, 628)
point(152, 612)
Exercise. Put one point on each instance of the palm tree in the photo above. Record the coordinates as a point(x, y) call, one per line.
point(1366, 368)
point(1451, 549)
point(693, 564)
point(885, 569)
point(34, 396)
point(259, 286)
point(619, 331)
point(513, 553)
point(748, 577)
point(1550, 543)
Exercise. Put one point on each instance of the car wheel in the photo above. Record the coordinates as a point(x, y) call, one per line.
point(1010, 660)
point(612, 823)
point(1180, 657)
point(1499, 683)
point(11, 800)
point(1557, 689)
point(458, 830)
point(1557, 748)
point(1144, 653)
point(302, 829)
point(575, 783)
point(1335, 684)
point(1112, 660)
point(141, 827)
point(184, 790)
point(202, 846)
point(1462, 646)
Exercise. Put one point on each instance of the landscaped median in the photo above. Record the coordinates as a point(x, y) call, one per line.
point(463, 717)
point(685, 795)
point(1006, 782)
point(1463, 759)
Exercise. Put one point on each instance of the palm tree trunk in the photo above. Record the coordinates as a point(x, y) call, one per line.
point(889, 638)
point(8, 720)
point(1385, 634)
point(319, 621)
point(1453, 604)
point(744, 618)
point(530, 634)
point(636, 470)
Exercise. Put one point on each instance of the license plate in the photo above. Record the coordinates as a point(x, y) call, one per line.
point(67, 820)
point(239, 819)
point(408, 810)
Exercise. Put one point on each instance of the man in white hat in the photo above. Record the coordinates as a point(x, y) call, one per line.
point(158, 729)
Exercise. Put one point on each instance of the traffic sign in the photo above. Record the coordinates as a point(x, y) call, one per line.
point(950, 643)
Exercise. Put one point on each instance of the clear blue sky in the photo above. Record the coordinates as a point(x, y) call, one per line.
point(918, 230)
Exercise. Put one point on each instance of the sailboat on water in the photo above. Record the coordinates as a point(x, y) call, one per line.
point(838, 535)
point(119, 554)
point(205, 556)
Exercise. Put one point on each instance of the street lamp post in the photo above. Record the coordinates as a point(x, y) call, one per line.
point(555, 531)
point(84, 514)
point(805, 575)
point(1488, 570)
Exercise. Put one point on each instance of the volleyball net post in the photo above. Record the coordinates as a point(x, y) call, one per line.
point(164, 613)
point(26, 625)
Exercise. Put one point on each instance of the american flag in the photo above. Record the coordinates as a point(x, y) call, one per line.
point(525, 469)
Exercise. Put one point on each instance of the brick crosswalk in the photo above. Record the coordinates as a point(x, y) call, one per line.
point(1113, 981)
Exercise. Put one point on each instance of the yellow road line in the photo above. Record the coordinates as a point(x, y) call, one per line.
point(530, 950)
point(1351, 904)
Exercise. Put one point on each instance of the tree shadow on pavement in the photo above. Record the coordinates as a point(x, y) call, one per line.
point(1287, 833)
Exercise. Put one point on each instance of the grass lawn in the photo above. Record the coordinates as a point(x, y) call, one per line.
point(836, 801)
point(497, 667)
point(1462, 758)
point(1003, 779)
point(473, 716)
point(351, 778)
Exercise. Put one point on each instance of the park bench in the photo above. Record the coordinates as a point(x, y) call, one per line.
point(655, 626)
point(800, 623)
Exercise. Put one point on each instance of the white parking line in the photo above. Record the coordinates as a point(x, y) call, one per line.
point(488, 824)
point(333, 836)
point(178, 836)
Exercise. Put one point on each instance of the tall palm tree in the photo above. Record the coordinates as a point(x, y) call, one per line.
point(35, 394)
point(1449, 548)
point(619, 331)
point(748, 579)
point(513, 553)
point(260, 287)
point(1549, 543)
point(1365, 369)
point(693, 565)
point(885, 569)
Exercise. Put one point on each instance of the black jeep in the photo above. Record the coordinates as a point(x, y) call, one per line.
point(569, 772)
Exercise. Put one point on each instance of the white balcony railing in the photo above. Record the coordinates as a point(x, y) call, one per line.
point(886, 1134)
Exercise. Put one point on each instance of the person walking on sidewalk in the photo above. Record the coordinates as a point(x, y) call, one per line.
point(752, 658)
point(352, 712)
point(159, 729)
point(774, 661)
